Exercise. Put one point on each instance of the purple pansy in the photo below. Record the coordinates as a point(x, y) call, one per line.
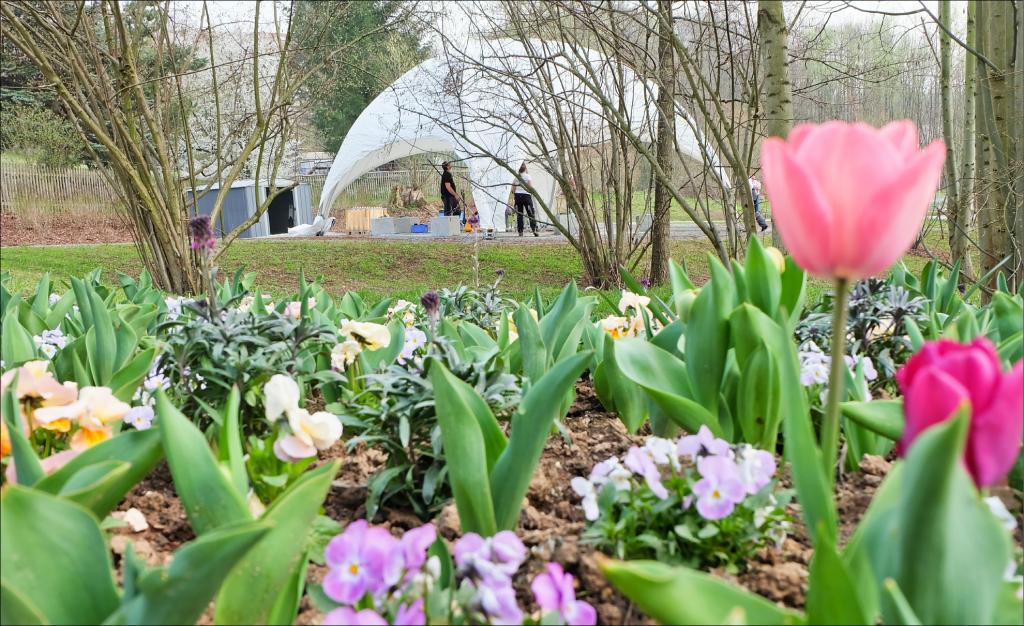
point(554, 591)
point(362, 559)
point(497, 600)
point(414, 544)
point(639, 461)
point(343, 616)
point(720, 489)
point(495, 558)
point(704, 442)
point(411, 614)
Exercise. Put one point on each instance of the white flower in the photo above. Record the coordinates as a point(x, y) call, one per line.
point(47, 350)
point(414, 340)
point(611, 471)
point(317, 431)
point(585, 489)
point(344, 354)
point(616, 326)
point(371, 336)
point(141, 417)
point(662, 451)
point(630, 300)
point(309, 432)
point(406, 309)
point(174, 306)
point(280, 395)
point(814, 365)
point(756, 467)
point(995, 504)
point(54, 298)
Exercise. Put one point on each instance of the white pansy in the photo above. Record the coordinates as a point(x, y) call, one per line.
point(344, 354)
point(585, 489)
point(616, 326)
point(280, 395)
point(630, 300)
point(319, 430)
point(371, 336)
point(662, 451)
point(414, 340)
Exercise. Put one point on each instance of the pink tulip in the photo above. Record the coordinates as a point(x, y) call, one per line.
point(849, 199)
point(942, 377)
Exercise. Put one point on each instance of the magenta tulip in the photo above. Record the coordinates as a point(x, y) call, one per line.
point(943, 376)
point(849, 199)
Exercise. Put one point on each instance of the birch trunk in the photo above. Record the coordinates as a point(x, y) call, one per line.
point(771, 29)
point(960, 223)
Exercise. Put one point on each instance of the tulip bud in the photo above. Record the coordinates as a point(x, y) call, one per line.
point(431, 302)
point(684, 302)
point(776, 256)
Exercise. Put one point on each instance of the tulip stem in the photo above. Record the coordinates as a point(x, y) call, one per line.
point(836, 379)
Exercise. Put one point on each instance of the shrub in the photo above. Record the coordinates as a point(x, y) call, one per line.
point(396, 412)
point(41, 135)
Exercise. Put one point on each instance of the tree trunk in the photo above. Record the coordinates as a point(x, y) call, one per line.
point(771, 30)
point(660, 251)
point(1017, 135)
point(996, 111)
point(954, 201)
point(960, 223)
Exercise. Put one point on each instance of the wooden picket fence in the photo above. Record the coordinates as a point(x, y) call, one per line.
point(39, 189)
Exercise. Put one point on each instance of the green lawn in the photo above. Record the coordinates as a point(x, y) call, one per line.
point(375, 269)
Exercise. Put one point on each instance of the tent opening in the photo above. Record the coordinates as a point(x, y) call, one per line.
point(281, 213)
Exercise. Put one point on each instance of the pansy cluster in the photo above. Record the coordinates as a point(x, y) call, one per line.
point(697, 500)
point(634, 309)
point(815, 366)
point(56, 416)
point(50, 341)
point(375, 578)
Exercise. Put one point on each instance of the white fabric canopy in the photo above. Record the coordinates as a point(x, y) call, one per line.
point(470, 102)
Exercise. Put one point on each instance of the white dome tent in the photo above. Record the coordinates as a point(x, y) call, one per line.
point(471, 105)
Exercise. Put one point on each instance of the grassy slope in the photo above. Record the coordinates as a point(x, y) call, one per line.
point(373, 268)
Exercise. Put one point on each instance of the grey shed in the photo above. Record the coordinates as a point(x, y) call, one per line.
point(289, 208)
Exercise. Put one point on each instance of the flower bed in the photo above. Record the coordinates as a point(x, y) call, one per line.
point(472, 459)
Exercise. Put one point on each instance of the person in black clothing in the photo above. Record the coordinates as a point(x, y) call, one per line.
point(449, 196)
point(524, 204)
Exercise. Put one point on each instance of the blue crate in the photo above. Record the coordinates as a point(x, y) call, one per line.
point(419, 228)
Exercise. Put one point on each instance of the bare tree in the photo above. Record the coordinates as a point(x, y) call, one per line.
point(125, 74)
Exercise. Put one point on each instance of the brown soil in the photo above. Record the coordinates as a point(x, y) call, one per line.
point(17, 230)
point(550, 525)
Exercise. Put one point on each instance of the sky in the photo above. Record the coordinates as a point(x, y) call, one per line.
point(241, 12)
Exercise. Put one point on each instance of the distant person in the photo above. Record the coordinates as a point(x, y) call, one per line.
point(449, 196)
point(524, 203)
point(755, 190)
